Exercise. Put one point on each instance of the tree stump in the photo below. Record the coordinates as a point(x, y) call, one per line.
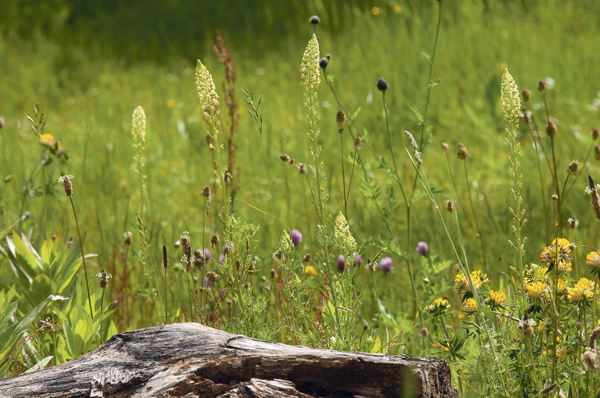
point(192, 360)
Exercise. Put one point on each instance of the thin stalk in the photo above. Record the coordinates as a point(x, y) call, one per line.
point(270, 185)
point(166, 297)
point(203, 252)
point(190, 294)
point(101, 313)
point(537, 145)
point(582, 165)
point(87, 286)
point(475, 218)
point(559, 219)
point(344, 177)
point(458, 196)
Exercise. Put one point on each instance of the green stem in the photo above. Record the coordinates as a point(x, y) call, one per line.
point(87, 286)
point(344, 177)
point(475, 217)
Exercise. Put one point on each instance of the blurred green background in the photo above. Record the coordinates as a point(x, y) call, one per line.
point(90, 64)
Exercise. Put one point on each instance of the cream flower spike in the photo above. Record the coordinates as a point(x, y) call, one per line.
point(511, 101)
point(309, 69)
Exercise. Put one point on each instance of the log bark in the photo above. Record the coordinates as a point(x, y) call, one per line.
point(192, 360)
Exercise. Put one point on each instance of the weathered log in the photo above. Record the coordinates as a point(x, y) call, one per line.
point(192, 360)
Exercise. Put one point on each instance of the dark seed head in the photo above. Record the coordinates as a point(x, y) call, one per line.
point(526, 95)
point(382, 85)
point(323, 63)
point(595, 133)
point(551, 129)
point(314, 20)
point(541, 85)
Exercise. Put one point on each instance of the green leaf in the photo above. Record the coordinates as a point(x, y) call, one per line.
point(40, 365)
point(434, 83)
point(377, 346)
point(355, 115)
point(427, 57)
point(416, 112)
point(4, 234)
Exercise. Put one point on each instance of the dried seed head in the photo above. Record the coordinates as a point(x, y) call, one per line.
point(382, 85)
point(597, 151)
point(104, 277)
point(340, 119)
point(302, 169)
point(573, 167)
point(573, 222)
point(526, 95)
point(127, 238)
point(67, 184)
point(526, 326)
point(227, 177)
point(551, 129)
point(590, 359)
point(541, 85)
point(214, 240)
point(595, 133)
point(314, 20)
point(445, 148)
point(284, 157)
point(212, 276)
point(206, 191)
point(323, 63)
point(526, 116)
point(165, 258)
point(593, 337)
point(595, 198)
point(307, 258)
point(410, 137)
point(450, 206)
point(185, 241)
point(357, 141)
point(2, 122)
point(554, 197)
point(462, 151)
point(424, 332)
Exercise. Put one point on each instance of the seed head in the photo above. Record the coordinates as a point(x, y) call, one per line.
point(214, 240)
point(328, 56)
point(227, 177)
point(572, 168)
point(207, 195)
point(526, 116)
point(309, 69)
point(1, 122)
point(185, 241)
point(554, 197)
point(323, 63)
point(104, 277)
point(541, 85)
point(341, 263)
point(302, 169)
point(314, 20)
point(165, 259)
point(526, 326)
point(597, 151)
point(410, 137)
point(67, 184)
point(284, 157)
point(445, 148)
point(424, 332)
point(573, 222)
point(595, 133)
point(450, 206)
point(272, 273)
point(307, 258)
point(593, 337)
point(212, 276)
point(357, 141)
point(551, 129)
point(510, 100)
point(340, 119)
point(127, 238)
point(526, 95)
point(382, 85)
point(462, 151)
point(590, 358)
point(595, 198)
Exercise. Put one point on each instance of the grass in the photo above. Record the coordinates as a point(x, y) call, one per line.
point(89, 96)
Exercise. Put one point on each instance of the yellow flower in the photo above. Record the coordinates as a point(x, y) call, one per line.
point(171, 103)
point(309, 70)
point(541, 328)
point(375, 11)
point(496, 298)
point(309, 269)
point(593, 259)
point(561, 353)
point(47, 140)
point(398, 9)
point(559, 249)
point(462, 284)
point(438, 307)
point(469, 305)
point(582, 291)
point(562, 285)
point(535, 289)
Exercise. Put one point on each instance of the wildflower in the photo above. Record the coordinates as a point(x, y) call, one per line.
point(67, 184)
point(469, 305)
point(572, 168)
point(311, 270)
point(47, 140)
point(462, 284)
point(595, 133)
point(590, 357)
point(296, 237)
point(340, 119)
point(551, 129)
point(445, 148)
point(526, 326)
point(314, 20)
point(573, 222)
point(385, 264)
point(526, 116)
point(595, 198)
point(542, 326)
point(309, 69)
point(583, 291)
point(597, 151)
point(358, 260)
point(104, 277)
point(462, 151)
point(424, 332)
point(185, 241)
point(496, 298)
point(357, 141)
point(558, 253)
point(450, 206)
point(510, 100)
point(541, 85)
point(341, 263)
point(165, 260)
point(382, 85)
point(526, 95)
point(207, 93)
point(438, 307)
point(206, 193)
point(307, 258)
point(535, 289)
point(426, 281)
point(171, 103)
point(593, 262)
point(554, 197)
point(343, 236)
point(323, 63)
point(561, 353)
point(207, 255)
point(127, 238)
point(221, 259)
point(422, 248)
point(212, 276)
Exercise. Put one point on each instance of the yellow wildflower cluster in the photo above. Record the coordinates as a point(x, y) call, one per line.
point(558, 253)
point(47, 140)
point(438, 307)
point(496, 298)
point(535, 289)
point(461, 282)
point(583, 291)
point(593, 262)
point(311, 270)
point(469, 305)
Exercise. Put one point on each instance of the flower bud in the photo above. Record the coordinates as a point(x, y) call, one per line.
point(551, 129)
point(357, 141)
point(541, 85)
point(445, 148)
point(595, 133)
point(307, 258)
point(340, 119)
point(382, 85)
point(572, 168)
point(462, 151)
point(323, 63)
point(526, 95)
point(314, 20)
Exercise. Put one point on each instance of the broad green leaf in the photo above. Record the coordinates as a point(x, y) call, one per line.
point(377, 346)
point(40, 365)
point(416, 112)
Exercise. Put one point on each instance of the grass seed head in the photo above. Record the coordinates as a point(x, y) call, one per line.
point(595, 197)
point(214, 240)
point(67, 184)
point(127, 238)
point(526, 95)
point(462, 151)
point(340, 119)
point(445, 148)
point(541, 85)
point(551, 129)
point(382, 84)
point(357, 141)
point(165, 257)
point(314, 20)
point(595, 133)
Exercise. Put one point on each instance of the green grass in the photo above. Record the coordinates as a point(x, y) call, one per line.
point(89, 96)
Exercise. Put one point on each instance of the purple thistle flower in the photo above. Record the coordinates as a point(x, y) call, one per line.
point(358, 260)
point(341, 263)
point(422, 248)
point(221, 258)
point(385, 264)
point(207, 255)
point(296, 237)
point(207, 283)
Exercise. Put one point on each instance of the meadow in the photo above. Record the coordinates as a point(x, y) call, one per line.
point(270, 179)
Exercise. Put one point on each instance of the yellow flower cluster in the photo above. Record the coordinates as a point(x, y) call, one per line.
point(535, 289)
point(582, 291)
point(496, 298)
point(207, 93)
point(311, 270)
point(47, 140)
point(461, 282)
point(438, 307)
point(558, 253)
point(469, 305)
point(592, 259)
